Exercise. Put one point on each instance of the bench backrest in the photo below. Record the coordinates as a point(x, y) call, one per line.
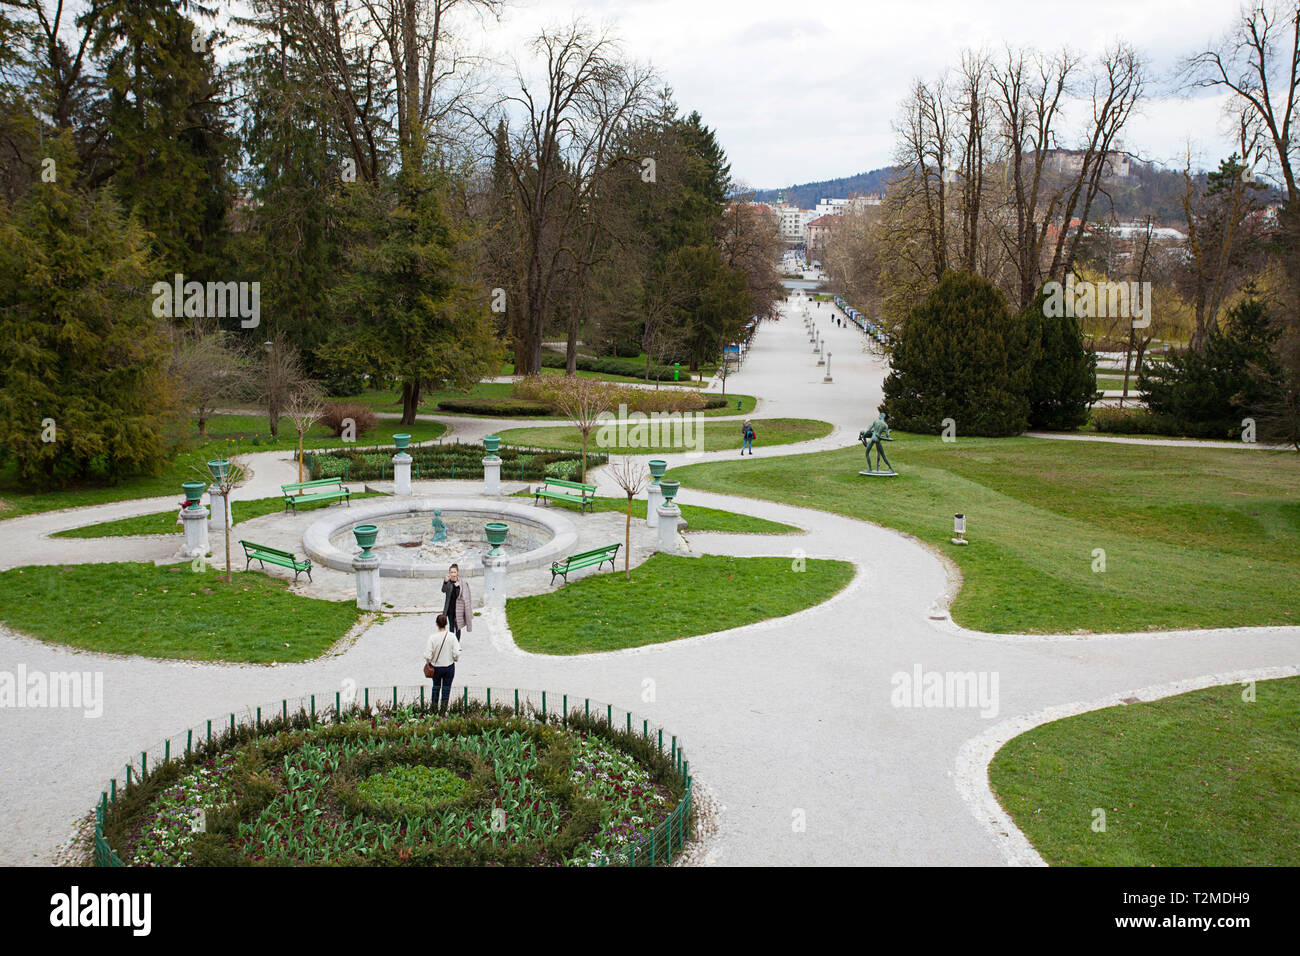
point(303, 485)
point(268, 550)
point(576, 485)
point(609, 548)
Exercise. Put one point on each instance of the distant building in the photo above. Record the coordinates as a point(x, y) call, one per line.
point(793, 222)
point(1068, 162)
point(818, 231)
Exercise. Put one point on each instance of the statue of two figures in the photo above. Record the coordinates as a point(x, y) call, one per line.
point(875, 437)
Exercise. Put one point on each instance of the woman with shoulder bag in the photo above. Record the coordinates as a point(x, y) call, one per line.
point(440, 656)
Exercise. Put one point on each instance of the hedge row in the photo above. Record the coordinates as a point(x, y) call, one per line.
point(453, 460)
point(630, 368)
point(520, 407)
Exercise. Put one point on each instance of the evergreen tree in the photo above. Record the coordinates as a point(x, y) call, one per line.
point(962, 354)
point(166, 132)
point(407, 308)
point(1064, 382)
point(1234, 376)
point(82, 359)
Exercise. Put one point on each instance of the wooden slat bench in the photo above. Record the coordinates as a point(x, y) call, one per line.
point(561, 490)
point(322, 489)
point(263, 554)
point(596, 557)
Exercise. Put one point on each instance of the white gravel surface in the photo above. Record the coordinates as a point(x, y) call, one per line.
point(788, 724)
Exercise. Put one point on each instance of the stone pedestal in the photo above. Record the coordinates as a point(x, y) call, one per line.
point(366, 572)
point(492, 475)
point(196, 531)
point(216, 519)
point(402, 474)
point(494, 580)
point(654, 499)
point(668, 515)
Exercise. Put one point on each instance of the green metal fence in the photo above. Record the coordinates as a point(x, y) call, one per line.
point(659, 848)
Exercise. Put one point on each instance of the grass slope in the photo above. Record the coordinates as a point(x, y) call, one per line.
point(1192, 537)
point(668, 598)
point(173, 612)
point(1201, 779)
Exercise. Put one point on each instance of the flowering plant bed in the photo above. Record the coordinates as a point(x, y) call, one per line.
point(405, 786)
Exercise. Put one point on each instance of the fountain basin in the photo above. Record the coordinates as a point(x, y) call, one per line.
point(537, 536)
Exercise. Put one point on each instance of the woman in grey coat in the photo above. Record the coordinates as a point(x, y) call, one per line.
point(458, 603)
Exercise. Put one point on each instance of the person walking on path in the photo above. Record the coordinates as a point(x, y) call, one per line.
point(441, 653)
point(747, 434)
point(458, 605)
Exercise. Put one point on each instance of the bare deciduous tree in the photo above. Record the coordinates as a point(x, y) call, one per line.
point(582, 401)
point(630, 475)
point(303, 409)
point(208, 373)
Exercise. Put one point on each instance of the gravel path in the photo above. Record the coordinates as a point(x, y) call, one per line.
point(789, 722)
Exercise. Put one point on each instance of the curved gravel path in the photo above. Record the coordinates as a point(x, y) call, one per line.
point(788, 722)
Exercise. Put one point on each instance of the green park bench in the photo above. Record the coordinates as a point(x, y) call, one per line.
point(596, 557)
point(322, 489)
point(562, 490)
point(285, 559)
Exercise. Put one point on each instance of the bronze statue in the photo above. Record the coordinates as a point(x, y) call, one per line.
point(875, 437)
point(439, 526)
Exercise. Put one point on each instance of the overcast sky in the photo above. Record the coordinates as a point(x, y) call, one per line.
point(803, 91)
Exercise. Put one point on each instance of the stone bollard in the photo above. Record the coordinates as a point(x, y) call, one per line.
point(668, 515)
point(196, 531)
point(828, 369)
point(654, 499)
point(366, 572)
point(402, 474)
point(494, 580)
point(215, 518)
point(492, 475)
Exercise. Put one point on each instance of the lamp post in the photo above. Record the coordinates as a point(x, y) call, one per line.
point(959, 528)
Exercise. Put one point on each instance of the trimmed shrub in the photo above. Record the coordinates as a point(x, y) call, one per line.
point(962, 354)
point(451, 460)
point(546, 388)
point(1134, 421)
point(627, 367)
point(507, 407)
point(335, 416)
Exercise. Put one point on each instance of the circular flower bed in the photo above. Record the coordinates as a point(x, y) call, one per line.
point(404, 786)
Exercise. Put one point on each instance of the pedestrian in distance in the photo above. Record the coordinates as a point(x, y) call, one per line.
point(747, 436)
point(458, 604)
point(440, 655)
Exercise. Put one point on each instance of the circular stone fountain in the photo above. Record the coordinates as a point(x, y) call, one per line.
point(405, 545)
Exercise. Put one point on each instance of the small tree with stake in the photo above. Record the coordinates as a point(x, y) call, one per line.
point(303, 409)
point(224, 478)
point(582, 401)
point(630, 475)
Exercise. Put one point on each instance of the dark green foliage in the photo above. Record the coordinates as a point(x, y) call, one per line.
point(452, 460)
point(630, 368)
point(79, 346)
point(715, 302)
point(1209, 392)
point(1133, 421)
point(1064, 381)
point(962, 355)
point(505, 407)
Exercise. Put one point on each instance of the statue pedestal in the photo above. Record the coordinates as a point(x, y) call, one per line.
point(494, 580)
point(668, 515)
point(217, 519)
point(196, 531)
point(654, 499)
point(402, 474)
point(366, 572)
point(492, 475)
point(879, 474)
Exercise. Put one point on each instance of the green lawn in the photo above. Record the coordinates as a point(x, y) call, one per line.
point(698, 517)
point(718, 436)
point(668, 598)
point(1201, 779)
point(171, 612)
point(228, 436)
point(1193, 537)
point(164, 522)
